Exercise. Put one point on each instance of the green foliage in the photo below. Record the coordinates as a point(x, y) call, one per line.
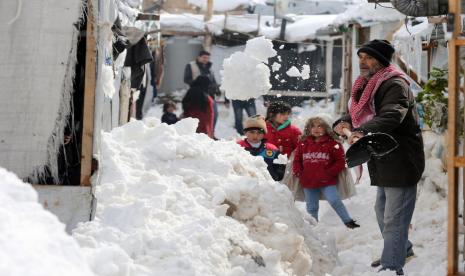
point(434, 101)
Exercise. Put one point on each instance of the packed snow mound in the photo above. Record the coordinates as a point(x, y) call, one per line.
point(174, 202)
point(245, 74)
point(32, 240)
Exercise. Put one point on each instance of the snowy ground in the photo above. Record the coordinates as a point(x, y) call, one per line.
point(358, 248)
point(173, 202)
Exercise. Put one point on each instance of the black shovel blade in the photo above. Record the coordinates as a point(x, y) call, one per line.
point(375, 144)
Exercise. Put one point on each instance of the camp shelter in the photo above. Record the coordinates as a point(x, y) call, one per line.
point(60, 85)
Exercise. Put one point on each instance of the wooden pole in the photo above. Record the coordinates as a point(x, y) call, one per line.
point(452, 170)
point(208, 15)
point(89, 98)
point(346, 72)
point(329, 66)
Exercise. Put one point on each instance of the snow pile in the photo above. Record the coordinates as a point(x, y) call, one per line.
point(32, 240)
point(245, 74)
point(435, 167)
point(225, 5)
point(294, 72)
point(174, 202)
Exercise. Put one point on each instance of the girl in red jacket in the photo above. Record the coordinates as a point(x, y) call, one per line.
point(280, 131)
point(198, 104)
point(317, 163)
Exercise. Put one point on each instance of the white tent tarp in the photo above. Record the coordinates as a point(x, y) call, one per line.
point(38, 40)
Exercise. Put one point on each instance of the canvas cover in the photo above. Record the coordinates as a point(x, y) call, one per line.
point(38, 39)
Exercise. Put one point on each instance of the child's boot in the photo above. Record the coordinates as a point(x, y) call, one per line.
point(352, 224)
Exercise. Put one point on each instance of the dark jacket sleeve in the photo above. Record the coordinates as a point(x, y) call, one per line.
point(188, 75)
point(392, 105)
point(276, 171)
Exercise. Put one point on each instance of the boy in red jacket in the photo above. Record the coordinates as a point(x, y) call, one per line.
point(317, 163)
point(254, 130)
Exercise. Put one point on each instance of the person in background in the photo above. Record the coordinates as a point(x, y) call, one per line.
point(156, 71)
point(201, 66)
point(254, 130)
point(238, 107)
point(280, 131)
point(198, 104)
point(318, 160)
point(169, 117)
point(382, 101)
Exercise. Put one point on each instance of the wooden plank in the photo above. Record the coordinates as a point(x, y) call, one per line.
point(460, 42)
point(347, 73)
point(89, 98)
point(312, 94)
point(408, 70)
point(176, 33)
point(459, 161)
point(329, 64)
point(452, 141)
point(452, 237)
point(148, 16)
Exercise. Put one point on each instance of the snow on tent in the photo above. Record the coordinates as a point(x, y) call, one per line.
point(61, 83)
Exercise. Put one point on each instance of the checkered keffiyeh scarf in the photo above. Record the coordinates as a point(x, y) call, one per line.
point(363, 110)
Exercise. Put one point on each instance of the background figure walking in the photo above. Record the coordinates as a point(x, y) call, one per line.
point(201, 66)
point(239, 106)
point(198, 104)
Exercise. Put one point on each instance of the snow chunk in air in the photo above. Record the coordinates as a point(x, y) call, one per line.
point(245, 74)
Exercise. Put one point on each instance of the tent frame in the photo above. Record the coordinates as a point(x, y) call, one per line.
point(454, 160)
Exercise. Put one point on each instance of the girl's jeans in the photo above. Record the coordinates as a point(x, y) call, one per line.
point(394, 209)
point(312, 198)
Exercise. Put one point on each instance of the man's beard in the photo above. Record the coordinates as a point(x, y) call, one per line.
point(371, 71)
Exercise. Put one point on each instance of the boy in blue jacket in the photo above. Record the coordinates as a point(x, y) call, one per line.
point(254, 130)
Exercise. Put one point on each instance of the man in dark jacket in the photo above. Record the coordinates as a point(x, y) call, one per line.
point(381, 101)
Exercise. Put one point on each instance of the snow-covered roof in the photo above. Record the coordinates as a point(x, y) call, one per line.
point(304, 27)
point(225, 5)
point(183, 22)
point(366, 13)
point(422, 29)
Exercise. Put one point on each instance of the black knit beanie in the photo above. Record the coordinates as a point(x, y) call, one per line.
point(382, 50)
